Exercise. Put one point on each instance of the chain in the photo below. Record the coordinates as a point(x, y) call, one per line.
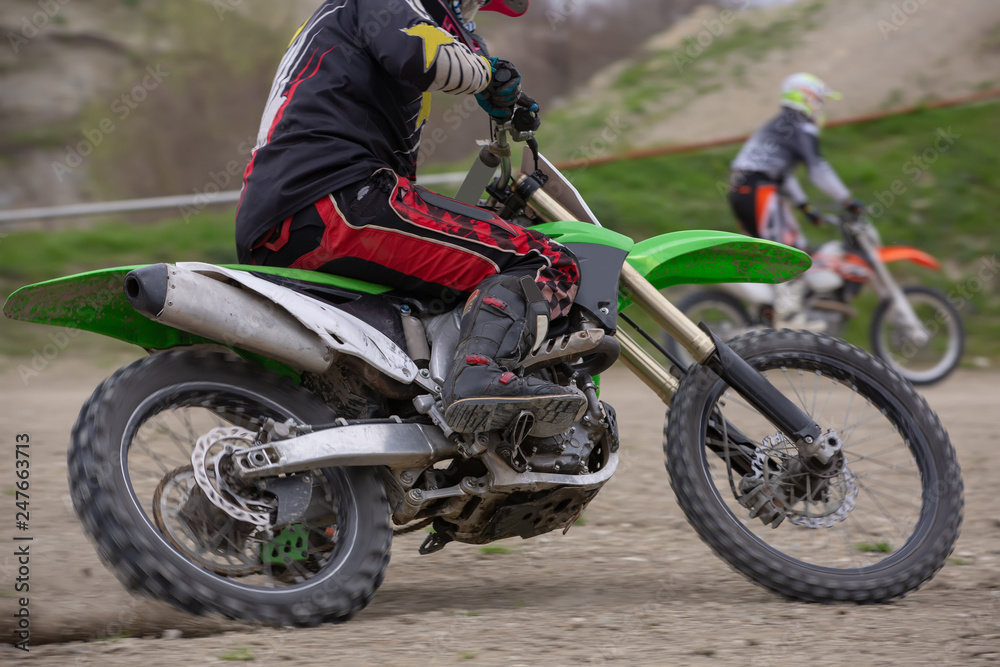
point(413, 527)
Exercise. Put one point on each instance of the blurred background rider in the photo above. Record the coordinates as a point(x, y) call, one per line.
point(762, 181)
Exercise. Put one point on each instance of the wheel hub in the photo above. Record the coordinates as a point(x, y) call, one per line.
point(780, 480)
point(199, 529)
point(209, 472)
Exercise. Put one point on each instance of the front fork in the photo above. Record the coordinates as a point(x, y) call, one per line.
point(708, 350)
point(887, 288)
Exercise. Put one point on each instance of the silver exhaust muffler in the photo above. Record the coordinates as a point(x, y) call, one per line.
point(199, 305)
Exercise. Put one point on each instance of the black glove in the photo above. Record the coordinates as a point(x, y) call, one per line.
point(855, 207)
point(501, 95)
point(811, 214)
point(526, 115)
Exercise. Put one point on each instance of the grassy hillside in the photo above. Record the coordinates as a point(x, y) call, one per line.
point(949, 210)
point(717, 72)
point(948, 205)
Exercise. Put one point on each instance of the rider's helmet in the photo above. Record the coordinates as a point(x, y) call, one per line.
point(807, 94)
point(458, 17)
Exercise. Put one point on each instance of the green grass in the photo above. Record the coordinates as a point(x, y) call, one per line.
point(238, 655)
point(659, 84)
point(874, 547)
point(495, 551)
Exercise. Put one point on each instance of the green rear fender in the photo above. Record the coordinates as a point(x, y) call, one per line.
point(95, 301)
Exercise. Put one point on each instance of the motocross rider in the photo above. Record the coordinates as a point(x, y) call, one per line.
point(764, 169)
point(330, 187)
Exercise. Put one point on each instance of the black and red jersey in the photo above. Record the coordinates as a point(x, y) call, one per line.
point(351, 96)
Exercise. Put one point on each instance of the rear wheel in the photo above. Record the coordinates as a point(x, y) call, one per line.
point(920, 362)
point(138, 449)
point(871, 528)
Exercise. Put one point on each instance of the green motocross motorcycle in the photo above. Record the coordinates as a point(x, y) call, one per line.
point(285, 423)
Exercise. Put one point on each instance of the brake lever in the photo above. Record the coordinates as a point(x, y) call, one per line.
point(533, 145)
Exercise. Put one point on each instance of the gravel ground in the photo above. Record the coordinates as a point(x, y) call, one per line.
point(633, 585)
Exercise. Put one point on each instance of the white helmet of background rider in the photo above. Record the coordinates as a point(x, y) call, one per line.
point(466, 10)
point(807, 94)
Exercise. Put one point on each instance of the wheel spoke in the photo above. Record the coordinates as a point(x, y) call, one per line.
point(198, 528)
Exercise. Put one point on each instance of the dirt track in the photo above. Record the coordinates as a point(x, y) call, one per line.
point(634, 585)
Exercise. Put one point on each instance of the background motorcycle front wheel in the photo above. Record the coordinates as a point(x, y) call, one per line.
point(885, 521)
point(920, 364)
point(722, 312)
point(133, 486)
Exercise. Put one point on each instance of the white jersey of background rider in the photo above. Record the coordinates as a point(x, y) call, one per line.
point(778, 148)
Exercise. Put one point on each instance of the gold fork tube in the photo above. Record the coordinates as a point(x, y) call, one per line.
point(646, 368)
point(698, 344)
point(546, 206)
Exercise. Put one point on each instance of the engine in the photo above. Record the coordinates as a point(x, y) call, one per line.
point(575, 452)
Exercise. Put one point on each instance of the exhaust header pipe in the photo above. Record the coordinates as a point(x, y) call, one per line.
point(194, 303)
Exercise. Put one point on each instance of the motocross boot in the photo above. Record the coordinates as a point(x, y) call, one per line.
point(481, 392)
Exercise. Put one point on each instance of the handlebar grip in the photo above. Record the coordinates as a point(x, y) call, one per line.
point(503, 75)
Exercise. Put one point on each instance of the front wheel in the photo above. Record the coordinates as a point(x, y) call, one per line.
point(151, 481)
point(919, 361)
point(871, 528)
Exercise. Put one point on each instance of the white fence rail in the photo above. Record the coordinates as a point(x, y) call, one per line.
point(198, 201)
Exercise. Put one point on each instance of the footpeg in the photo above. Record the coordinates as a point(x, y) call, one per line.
point(435, 542)
point(518, 431)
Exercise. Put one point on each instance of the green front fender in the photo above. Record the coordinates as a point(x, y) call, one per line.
point(694, 257)
point(700, 257)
